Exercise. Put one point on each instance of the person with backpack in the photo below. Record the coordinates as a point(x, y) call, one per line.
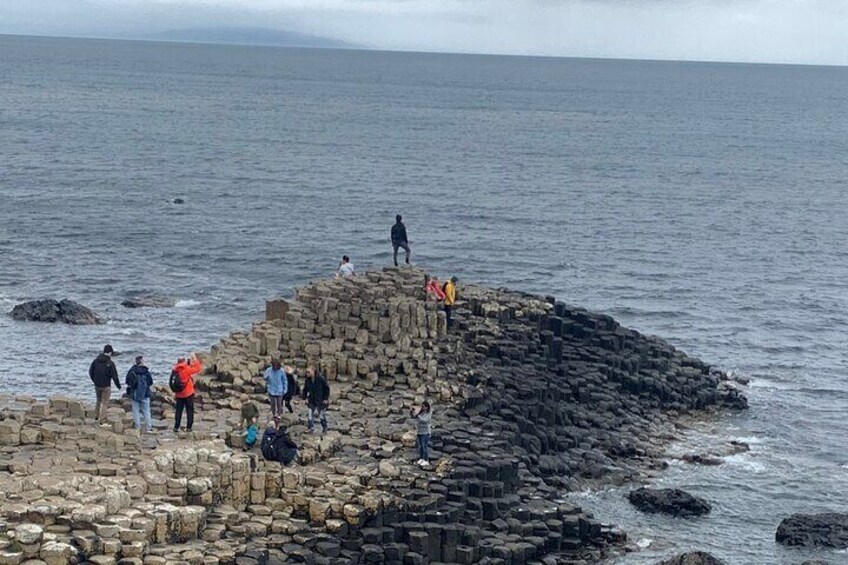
point(249, 414)
point(423, 417)
point(103, 373)
point(450, 299)
point(276, 384)
point(138, 381)
point(182, 383)
point(277, 446)
point(316, 392)
point(399, 239)
point(292, 388)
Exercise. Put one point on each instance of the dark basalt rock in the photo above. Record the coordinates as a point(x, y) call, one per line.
point(178, 201)
point(693, 558)
point(669, 501)
point(814, 530)
point(65, 311)
point(148, 301)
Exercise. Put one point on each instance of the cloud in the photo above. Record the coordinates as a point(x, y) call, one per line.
point(809, 31)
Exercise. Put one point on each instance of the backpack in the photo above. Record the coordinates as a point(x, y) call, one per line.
point(174, 381)
point(250, 438)
point(267, 444)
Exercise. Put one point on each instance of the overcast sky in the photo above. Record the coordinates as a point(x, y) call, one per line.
point(804, 31)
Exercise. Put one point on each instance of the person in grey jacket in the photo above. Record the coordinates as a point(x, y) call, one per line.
point(424, 417)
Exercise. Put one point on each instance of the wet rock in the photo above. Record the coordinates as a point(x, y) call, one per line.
point(668, 501)
point(178, 201)
point(64, 311)
point(144, 300)
point(814, 530)
point(693, 558)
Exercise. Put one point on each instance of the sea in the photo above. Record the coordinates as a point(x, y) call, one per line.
point(705, 203)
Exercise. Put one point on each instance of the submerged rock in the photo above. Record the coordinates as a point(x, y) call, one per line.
point(828, 529)
point(693, 558)
point(148, 301)
point(65, 311)
point(669, 501)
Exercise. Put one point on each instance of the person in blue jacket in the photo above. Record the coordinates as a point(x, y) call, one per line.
point(138, 381)
point(276, 384)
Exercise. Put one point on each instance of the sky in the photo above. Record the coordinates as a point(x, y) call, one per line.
point(775, 31)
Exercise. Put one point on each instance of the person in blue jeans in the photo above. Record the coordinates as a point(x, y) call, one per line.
point(138, 381)
point(276, 384)
point(316, 392)
point(424, 417)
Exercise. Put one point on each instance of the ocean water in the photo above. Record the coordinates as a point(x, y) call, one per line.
point(705, 203)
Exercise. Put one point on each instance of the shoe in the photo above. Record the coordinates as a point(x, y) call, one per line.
point(176, 430)
point(188, 430)
point(425, 464)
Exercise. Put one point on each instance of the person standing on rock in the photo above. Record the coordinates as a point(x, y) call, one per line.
point(399, 239)
point(292, 388)
point(183, 373)
point(316, 392)
point(103, 373)
point(276, 384)
point(450, 299)
point(424, 417)
point(138, 381)
point(345, 268)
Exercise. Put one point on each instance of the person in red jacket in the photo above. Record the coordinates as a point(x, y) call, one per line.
point(185, 371)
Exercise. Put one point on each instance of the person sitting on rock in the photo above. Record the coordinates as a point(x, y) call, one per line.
point(292, 388)
point(316, 392)
point(432, 288)
point(276, 385)
point(277, 445)
point(138, 381)
point(184, 372)
point(103, 373)
point(249, 414)
point(423, 416)
point(345, 268)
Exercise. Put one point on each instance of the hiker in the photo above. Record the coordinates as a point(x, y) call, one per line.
point(277, 445)
point(316, 392)
point(345, 268)
point(103, 373)
point(182, 383)
point(249, 414)
point(450, 299)
point(276, 385)
point(424, 416)
point(292, 388)
point(432, 288)
point(138, 381)
point(399, 238)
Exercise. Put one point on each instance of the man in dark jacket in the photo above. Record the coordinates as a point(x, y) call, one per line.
point(138, 381)
point(399, 239)
point(316, 392)
point(103, 372)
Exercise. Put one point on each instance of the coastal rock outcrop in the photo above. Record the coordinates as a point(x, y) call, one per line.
point(145, 300)
point(64, 311)
point(675, 502)
point(828, 529)
point(531, 397)
point(693, 558)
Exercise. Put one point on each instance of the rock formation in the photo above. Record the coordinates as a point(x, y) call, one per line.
point(669, 501)
point(814, 530)
point(65, 311)
point(145, 300)
point(693, 558)
point(531, 397)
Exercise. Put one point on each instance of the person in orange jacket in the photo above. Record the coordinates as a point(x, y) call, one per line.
point(184, 372)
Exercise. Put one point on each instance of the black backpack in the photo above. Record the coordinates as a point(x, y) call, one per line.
point(175, 382)
point(266, 446)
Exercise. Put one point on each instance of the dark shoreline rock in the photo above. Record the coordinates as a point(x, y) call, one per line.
point(143, 300)
point(693, 558)
point(829, 529)
point(675, 502)
point(53, 311)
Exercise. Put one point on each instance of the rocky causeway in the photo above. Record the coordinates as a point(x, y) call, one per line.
point(532, 398)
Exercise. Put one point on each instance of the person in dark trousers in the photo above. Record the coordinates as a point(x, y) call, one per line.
point(103, 373)
point(138, 381)
point(185, 371)
point(292, 388)
point(424, 417)
point(316, 392)
point(450, 299)
point(399, 239)
point(276, 384)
